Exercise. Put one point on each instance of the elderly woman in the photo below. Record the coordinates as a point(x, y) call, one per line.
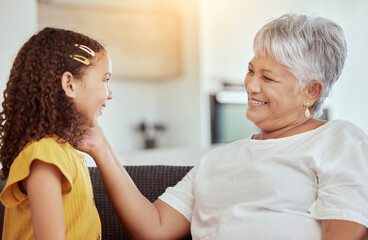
point(298, 178)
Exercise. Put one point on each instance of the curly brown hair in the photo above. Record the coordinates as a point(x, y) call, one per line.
point(35, 104)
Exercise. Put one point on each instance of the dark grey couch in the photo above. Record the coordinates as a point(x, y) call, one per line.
point(151, 180)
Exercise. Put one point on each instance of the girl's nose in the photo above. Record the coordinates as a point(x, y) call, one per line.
point(109, 96)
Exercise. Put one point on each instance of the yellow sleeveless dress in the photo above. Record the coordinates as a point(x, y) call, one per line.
point(80, 213)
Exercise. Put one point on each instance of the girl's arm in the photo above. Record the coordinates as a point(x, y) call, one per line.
point(141, 218)
point(343, 230)
point(43, 187)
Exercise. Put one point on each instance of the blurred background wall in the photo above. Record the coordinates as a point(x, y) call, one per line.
point(215, 38)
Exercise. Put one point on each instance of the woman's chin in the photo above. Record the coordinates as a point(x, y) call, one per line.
point(252, 116)
point(256, 119)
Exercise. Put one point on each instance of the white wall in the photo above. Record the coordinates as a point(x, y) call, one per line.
point(227, 29)
point(349, 96)
point(17, 24)
point(178, 100)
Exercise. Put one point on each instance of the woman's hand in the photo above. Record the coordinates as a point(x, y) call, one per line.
point(141, 218)
point(92, 142)
point(344, 230)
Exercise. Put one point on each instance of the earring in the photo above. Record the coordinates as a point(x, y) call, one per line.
point(307, 112)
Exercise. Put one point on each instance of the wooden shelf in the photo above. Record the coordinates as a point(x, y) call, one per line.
point(143, 44)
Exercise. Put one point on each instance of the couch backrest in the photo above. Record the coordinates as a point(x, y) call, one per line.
point(150, 180)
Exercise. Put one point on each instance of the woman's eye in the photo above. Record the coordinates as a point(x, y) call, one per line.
point(267, 79)
point(250, 71)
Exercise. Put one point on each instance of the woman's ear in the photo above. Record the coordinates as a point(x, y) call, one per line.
point(314, 90)
point(68, 84)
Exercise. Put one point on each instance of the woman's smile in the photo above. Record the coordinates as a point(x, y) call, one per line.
point(255, 103)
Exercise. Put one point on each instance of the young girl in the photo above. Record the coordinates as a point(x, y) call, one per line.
point(58, 87)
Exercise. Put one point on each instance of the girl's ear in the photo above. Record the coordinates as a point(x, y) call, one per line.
point(314, 90)
point(68, 84)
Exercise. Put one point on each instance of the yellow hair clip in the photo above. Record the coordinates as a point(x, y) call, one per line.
point(81, 59)
point(86, 49)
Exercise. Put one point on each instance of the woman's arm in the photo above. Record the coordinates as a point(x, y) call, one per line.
point(43, 187)
point(141, 218)
point(343, 230)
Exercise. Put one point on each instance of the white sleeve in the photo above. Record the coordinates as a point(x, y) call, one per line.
point(181, 196)
point(343, 183)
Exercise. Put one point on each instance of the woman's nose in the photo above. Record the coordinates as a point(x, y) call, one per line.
point(251, 84)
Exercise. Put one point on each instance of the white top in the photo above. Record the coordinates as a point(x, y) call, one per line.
point(277, 188)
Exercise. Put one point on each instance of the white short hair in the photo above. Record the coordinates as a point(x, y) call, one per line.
point(311, 48)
